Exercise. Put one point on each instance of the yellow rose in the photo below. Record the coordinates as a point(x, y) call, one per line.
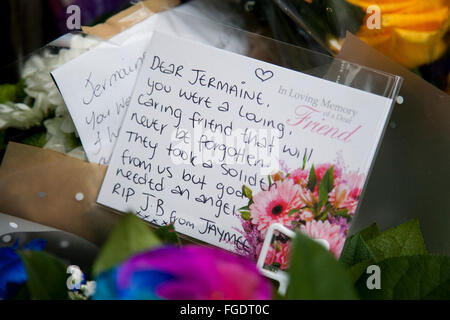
point(412, 31)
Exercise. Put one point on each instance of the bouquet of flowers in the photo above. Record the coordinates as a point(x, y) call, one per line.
point(136, 262)
point(319, 202)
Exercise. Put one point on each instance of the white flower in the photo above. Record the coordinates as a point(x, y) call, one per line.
point(38, 81)
point(74, 281)
point(78, 153)
point(89, 288)
point(18, 115)
point(56, 138)
point(59, 140)
point(43, 95)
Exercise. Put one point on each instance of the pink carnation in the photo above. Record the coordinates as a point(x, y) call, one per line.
point(327, 231)
point(274, 205)
point(299, 176)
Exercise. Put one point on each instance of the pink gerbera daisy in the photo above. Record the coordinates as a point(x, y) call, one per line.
point(274, 205)
point(327, 231)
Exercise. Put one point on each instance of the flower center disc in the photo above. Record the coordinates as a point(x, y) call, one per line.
point(277, 209)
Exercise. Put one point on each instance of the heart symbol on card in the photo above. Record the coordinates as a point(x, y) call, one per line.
point(263, 75)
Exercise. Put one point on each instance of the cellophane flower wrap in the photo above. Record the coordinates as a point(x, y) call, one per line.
point(319, 202)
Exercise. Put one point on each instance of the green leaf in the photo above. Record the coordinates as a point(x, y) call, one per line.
point(329, 175)
point(304, 161)
point(12, 92)
point(406, 239)
point(370, 232)
point(356, 270)
point(370, 246)
point(410, 277)
point(244, 208)
point(342, 213)
point(324, 215)
point(312, 179)
point(129, 236)
point(315, 274)
point(295, 210)
point(37, 139)
point(355, 248)
point(246, 215)
point(325, 187)
point(167, 234)
point(247, 192)
point(71, 141)
point(356, 254)
point(46, 276)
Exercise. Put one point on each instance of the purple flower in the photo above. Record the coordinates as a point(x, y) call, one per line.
point(254, 240)
point(191, 272)
point(341, 222)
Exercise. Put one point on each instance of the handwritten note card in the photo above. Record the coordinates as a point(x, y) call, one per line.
point(97, 87)
point(203, 122)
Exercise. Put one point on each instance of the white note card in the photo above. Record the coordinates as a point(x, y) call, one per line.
point(202, 122)
point(97, 87)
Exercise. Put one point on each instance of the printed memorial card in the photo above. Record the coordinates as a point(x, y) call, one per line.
point(223, 145)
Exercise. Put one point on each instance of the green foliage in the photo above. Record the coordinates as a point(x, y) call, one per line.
point(355, 248)
point(36, 138)
point(12, 92)
point(247, 192)
point(325, 187)
point(71, 141)
point(168, 235)
point(406, 239)
point(411, 277)
point(312, 179)
point(246, 215)
point(407, 271)
point(315, 274)
point(129, 236)
point(46, 277)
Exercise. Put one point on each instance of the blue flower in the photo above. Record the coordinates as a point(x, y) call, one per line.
point(12, 270)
